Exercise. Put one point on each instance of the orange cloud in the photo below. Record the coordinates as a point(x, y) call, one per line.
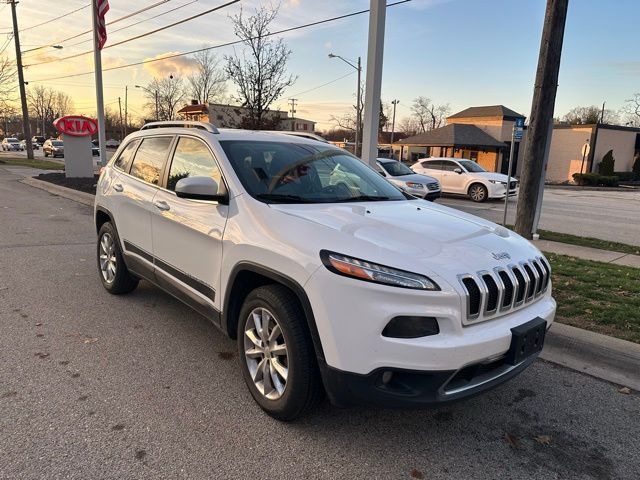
point(171, 66)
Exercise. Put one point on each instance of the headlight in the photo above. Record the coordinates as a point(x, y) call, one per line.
point(498, 182)
point(414, 185)
point(372, 272)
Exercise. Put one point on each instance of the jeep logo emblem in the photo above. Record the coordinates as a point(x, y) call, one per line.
point(501, 256)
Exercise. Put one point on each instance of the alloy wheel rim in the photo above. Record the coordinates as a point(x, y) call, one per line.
point(477, 193)
point(107, 258)
point(266, 353)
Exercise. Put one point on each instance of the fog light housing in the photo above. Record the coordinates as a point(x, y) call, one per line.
point(411, 327)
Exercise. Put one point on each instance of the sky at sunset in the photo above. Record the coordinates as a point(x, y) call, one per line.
point(461, 52)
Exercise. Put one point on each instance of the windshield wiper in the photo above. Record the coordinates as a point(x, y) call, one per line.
point(365, 198)
point(282, 198)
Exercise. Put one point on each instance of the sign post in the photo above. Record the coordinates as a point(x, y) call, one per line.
point(77, 131)
point(516, 136)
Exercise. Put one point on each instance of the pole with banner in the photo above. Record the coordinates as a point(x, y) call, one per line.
point(516, 136)
point(98, 11)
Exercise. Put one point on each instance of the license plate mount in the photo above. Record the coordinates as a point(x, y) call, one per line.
point(526, 340)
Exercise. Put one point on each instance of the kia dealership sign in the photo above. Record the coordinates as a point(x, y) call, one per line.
point(76, 125)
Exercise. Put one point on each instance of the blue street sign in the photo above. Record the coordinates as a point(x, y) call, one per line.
point(519, 122)
point(518, 134)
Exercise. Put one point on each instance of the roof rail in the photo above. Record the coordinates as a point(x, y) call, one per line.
point(181, 124)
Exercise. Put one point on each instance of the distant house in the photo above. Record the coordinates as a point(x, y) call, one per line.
point(295, 124)
point(482, 134)
point(231, 116)
point(195, 111)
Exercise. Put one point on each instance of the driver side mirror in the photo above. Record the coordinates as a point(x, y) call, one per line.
point(200, 188)
point(458, 171)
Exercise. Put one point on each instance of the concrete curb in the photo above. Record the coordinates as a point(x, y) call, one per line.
point(608, 358)
point(598, 355)
point(575, 188)
point(75, 195)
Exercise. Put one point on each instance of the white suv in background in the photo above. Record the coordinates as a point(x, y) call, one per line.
point(360, 291)
point(466, 177)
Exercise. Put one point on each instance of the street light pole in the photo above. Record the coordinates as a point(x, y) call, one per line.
point(23, 94)
point(151, 92)
point(358, 68)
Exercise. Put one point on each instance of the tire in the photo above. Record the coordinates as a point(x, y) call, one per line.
point(45, 154)
point(302, 387)
point(478, 192)
point(117, 280)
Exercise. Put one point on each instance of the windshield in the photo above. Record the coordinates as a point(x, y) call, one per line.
point(279, 172)
point(396, 169)
point(57, 143)
point(471, 166)
point(12, 140)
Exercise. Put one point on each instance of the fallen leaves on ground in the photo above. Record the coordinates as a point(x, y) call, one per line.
point(543, 439)
point(511, 440)
point(625, 390)
point(89, 340)
point(416, 474)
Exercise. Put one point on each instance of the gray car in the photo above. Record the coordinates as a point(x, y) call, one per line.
point(407, 180)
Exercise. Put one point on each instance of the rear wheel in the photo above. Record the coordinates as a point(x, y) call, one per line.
point(114, 274)
point(45, 153)
point(276, 353)
point(478, 192)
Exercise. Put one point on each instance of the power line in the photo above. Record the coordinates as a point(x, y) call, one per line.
point(137, 23)
point(323, 85)
point(56, 18)
point(129, 15)
point(167, 57)
point(142, 35)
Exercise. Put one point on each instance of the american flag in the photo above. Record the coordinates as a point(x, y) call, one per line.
point(102, 7)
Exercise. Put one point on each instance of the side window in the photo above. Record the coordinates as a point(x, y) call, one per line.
point(432, 165)
point(449, 166)
point(192, 158)
point(149, 158)
point(122, 162)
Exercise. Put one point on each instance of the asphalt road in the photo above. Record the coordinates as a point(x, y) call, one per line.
point(608, 215)
point(139, 386)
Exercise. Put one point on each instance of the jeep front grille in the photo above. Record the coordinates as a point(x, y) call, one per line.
point(490, 293)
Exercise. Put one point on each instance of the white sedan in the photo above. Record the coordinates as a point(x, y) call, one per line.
point(466, 177)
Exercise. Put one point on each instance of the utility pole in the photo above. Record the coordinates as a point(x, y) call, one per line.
point(541, 123)
point(602, 113)
point(23, 94)
point(377, 14)
point(393, 123)
point(97, 65)
point(292, 102)
point(126, 118)
point(121, 124)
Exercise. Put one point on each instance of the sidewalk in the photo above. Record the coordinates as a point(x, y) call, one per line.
point(588, 253)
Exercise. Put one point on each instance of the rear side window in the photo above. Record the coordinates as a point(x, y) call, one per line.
point(192, 158)
point(433, 165)
point(149, 159)
point(449, 166)
point(123, 161)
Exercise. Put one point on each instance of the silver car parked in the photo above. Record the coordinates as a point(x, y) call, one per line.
point(414, 184)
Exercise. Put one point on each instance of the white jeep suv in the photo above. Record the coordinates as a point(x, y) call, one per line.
point(360, 291)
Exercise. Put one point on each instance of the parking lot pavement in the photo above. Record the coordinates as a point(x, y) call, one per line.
point(599, 214)
point(139, 386)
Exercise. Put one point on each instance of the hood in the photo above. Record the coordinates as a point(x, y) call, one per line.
point(417, 178)
point(416, 231)
point(499, 177)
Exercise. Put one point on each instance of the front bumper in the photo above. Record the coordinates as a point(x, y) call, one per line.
point(416, 388)
point(356, 353)
point(497, 190)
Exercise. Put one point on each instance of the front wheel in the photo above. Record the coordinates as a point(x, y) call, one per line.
point(114, 274)
point(276, 353)
point(478, 192)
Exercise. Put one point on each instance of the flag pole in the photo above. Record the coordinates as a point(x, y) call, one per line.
point(97, 61)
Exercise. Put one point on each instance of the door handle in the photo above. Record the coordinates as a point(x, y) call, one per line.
point(161, 205)
point(118, 187)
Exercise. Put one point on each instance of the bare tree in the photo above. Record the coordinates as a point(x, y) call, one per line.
point(170, 93)
point(590, 115)
point(260, 71)
point(47, 104)
point(428, 115)
point(8, 82)
point(408, 125)
point(208, 82)
point(631, 110)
